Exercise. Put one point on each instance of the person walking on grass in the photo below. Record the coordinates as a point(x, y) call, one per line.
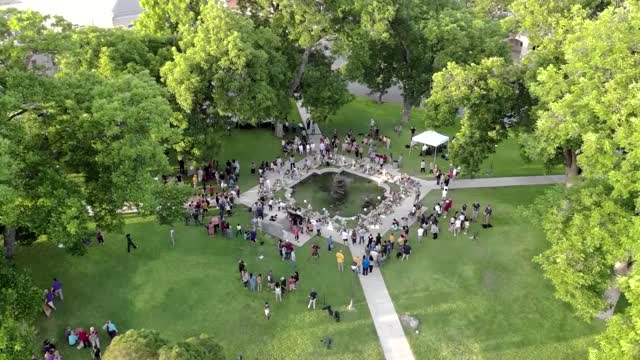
point(423, 166)
point(340, 260)
point(100, 237)
point(172, 237)
point(406, 251)
point(278, 292)
point(293, 259)
point(130, 243)
point(313, 295)
point(435, 230)
point(259, 282)
point(252, 282)
point(56, 287)
point(267, 310)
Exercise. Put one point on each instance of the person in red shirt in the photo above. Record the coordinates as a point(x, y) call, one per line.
point(83, 339)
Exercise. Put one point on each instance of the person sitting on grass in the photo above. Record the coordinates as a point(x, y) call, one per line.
point(83, 338)
point(71, 336)
point(97, 353)
point(93, 337)
point(110, 327)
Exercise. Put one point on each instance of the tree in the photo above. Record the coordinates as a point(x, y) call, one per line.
point(325, 90)
point(202, 347)
point(422, 38)
point(169, 202)
point(116, 50)
point(234, 70)
point(548, 25)
point(136, 345)
point(174, 17)
point(495, 100)
point(80, 145)
point(149, 345)
point(19, 303)
point(370, 62)
point(590, 99)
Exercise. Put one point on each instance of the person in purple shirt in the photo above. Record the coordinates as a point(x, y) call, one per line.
point(56, 286)
point(48, 302)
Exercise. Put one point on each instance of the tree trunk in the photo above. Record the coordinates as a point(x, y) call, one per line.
point(406, 109)
point(380, 95)
point(295, 82)
point(9, 241)
point(570, 166)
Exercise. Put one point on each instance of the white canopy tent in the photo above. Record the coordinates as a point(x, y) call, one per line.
point(431, 138)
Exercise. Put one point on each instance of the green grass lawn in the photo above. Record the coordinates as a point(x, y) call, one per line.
point(316, 189)
point(356, 116)
point(486, 300)
point(194, 288)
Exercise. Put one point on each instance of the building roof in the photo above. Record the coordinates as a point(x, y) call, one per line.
point(126, 8)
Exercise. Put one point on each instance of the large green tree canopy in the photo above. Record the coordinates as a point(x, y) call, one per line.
point(19, 302)
point(234, 69)
point(593, 99)
point(422, 38)
point(80, 145)
point(295, 35)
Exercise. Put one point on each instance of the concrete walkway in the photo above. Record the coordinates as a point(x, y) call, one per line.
point(385, 318)
point(506, 181)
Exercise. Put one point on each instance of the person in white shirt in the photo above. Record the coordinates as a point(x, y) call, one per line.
point(172, 238)
point(445, 191)
point(424, 150)
point(456, 227)
point(420, 233)
point(345, 236)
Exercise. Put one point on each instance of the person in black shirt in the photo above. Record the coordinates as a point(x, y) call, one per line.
point(97, 354)
point(130, 243)
point(475, 208)
point(487, 216)
point(313, 295)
